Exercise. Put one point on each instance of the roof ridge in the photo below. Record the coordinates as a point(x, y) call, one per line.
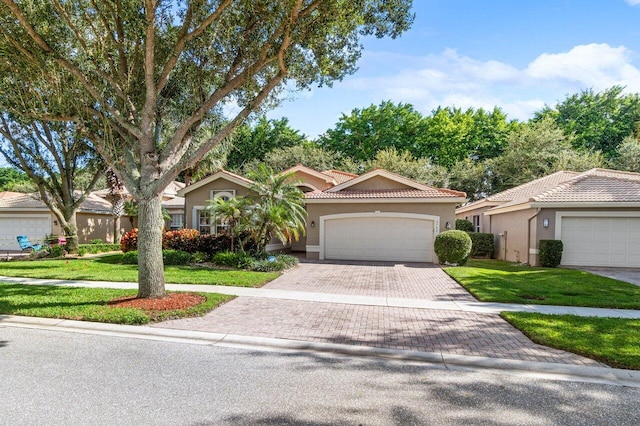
point(530, 183)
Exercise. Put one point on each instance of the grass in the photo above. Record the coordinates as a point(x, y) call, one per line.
point(89, 304)
point(108, 268)
point(496, 281)
point(613, 341)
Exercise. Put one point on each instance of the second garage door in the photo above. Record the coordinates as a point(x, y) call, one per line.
point(601, 241)
point(36, 227)
point(379, 239)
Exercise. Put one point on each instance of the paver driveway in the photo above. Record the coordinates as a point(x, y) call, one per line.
point(427, 330)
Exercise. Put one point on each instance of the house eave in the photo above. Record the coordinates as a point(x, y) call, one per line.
point(600, 204)
point(453, 200)
point(478, 205)
point(509, 209)
point(212, 178)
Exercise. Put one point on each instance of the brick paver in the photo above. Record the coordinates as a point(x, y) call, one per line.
point(429, 330)
point(409, 281)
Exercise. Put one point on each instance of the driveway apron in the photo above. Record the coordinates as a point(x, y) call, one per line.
point(403, 328)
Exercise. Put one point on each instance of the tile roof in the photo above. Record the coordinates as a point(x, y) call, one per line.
point(533, 187)
point(339, 176)
point(9, 194)
point(93, 203)
point(385, 193)
point(592, 186)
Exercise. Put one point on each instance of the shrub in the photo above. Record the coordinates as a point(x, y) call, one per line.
point(212, 244)
point(96, 241)
point(234, 260)
point(130, 257)
point(199, 257)
point(82, 251)
point(181, 239)
point(481, 244)
point(56, 251)
point(453, 247)
point(550, 253)
point(129, 241)
point(176, 257)
point(274, 263)
point(464, 225)
point(99, 248)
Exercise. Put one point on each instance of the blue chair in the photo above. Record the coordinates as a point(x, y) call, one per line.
point(26, 245)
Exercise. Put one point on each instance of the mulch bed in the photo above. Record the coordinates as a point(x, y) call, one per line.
point(171, 302)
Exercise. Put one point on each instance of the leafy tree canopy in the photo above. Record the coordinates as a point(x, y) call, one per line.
point(308, 154)
point(628, 155)
point(12, 179)
point(253, 142)
point(597, 121)
point(404, 164)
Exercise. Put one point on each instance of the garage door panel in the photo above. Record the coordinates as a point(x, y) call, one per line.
point(36, 228)
point(601, 241)
point(379, 238)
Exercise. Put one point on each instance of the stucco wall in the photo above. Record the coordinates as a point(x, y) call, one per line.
point(446, 212)
point(316, 182)
point(92, 226)
point(512, 246)
point(200, 196)
point(377, 183)
point(485, 221)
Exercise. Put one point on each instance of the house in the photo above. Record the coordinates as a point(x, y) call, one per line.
point(27, 214)
point(376, 216)
point(596, 214)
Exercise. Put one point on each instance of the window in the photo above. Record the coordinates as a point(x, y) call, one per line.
point(204, 225)
point(177, 221)
point(218, 225)
point(476, 223)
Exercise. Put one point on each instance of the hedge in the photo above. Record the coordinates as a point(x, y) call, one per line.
point(453, 247)
point(464, 225)
point(481, 244)
point(550, 253)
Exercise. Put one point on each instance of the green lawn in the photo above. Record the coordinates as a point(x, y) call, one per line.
point(613, 341)
point(107, 268)
point(88, 304)
point(496, 281)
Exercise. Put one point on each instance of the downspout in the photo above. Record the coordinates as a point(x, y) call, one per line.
point(529, 235)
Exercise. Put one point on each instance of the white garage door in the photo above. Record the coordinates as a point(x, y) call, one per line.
point(36, 228)
point(379, 238)
point(601, 241)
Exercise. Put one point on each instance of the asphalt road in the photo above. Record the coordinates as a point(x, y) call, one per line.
point(60, 378)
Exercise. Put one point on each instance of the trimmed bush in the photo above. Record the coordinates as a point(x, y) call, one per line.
point(181, 239)
point(96, 241)
point(176, 257)
point(550, 253)
point(464, 225)
point(233, 259)
point(199, 257)
point(129, 241)
point(99, 248)
point(130, 257)
point(56, 251)
point(453, 247)
point(481, 244)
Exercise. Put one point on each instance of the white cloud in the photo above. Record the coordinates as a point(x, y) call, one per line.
point(633, 2)
point(451, 79)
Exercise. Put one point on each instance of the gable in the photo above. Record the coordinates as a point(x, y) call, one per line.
point(301, 178)
point(378, 183)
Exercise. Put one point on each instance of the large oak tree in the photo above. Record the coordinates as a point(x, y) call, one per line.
point(149, 75)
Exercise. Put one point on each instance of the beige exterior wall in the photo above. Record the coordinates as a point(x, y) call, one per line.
point(445, 211)
point(200, 196)
point(316, 182)
point(513, 244)
point(485, 221)
point(377, 183)
point(92, 226)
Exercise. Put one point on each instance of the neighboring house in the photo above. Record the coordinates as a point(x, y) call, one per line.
point(596, 214)
point(376, 216)
point(26, 214)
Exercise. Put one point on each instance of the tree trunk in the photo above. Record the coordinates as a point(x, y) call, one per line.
point(71, 234)
point(150, 265)
point(117, 235)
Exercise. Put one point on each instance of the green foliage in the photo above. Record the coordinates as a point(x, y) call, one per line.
point(82, 251)
point(474, 178)
point(56, 251)
point(129, 241)
point(96, 241)
point(95, 248)
point(452, 247)
point(130, 257)
point(238, 260)
point(253, 143)
point(464, 225)
point(598, 121)
point(628, 155)
point(550, 253)
point(176, 257)
point(308, 154)
point(199, 257)
point(404, 164)
point(11, 178)
point(482, 244)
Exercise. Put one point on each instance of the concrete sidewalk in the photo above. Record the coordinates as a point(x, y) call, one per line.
point(305, 296)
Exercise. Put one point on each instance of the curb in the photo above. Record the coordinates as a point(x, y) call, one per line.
point(565, 372)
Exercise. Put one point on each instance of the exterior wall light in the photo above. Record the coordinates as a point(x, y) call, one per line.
point(313, 224)
point(447, 225)
point(545, 222)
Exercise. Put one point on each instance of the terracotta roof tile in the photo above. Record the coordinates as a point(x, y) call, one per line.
point(389, 193)
point(534, 187)
point(339, 176)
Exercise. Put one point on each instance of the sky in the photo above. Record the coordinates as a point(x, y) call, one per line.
point(515, 54)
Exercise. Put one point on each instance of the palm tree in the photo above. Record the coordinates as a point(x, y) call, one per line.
point(117, 199)
point(279, 209)
point(228, 211)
